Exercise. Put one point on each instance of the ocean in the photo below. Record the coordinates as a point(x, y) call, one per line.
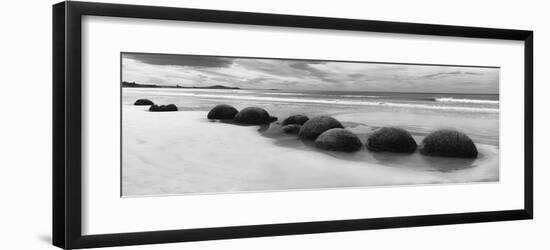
point(441, 101)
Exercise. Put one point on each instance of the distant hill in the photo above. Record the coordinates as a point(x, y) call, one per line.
point(213, 87)
point(138, 85)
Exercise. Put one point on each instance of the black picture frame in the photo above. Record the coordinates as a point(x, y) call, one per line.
point(67, 207)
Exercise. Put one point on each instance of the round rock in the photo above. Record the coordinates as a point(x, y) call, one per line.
point(448, 143)
point(222, 112)
point(143, 102)
point(253, 116)
point(291, 128)
point(338, 139)
point(391, 140)
point(273, 118)
point(163, 108)
point(295, 119)
point(316, 126)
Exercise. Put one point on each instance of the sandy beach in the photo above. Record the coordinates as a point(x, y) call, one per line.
point(167, 153)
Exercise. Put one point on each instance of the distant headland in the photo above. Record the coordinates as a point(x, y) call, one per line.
point(138, 85)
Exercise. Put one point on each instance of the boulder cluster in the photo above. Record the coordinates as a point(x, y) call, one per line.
point(291, 129)
point(154, 107)
point(328, 133)
point(315, 126)
point(293, 124)
point(247, 116)
point(163, 108)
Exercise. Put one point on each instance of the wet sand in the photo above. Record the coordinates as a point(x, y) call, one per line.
point(183, 152)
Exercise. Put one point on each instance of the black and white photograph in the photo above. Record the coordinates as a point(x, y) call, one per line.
point(275, 125)
point(198, 124)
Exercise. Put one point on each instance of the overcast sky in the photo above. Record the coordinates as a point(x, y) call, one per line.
point(186, 70)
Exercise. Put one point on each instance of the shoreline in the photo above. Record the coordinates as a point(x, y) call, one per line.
point(252, 160)
point(220, 94)
point(481, 127)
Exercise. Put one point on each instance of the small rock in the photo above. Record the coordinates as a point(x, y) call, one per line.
point(163, 108)
point(291, 129)
point(295, 119)
point(143, 102)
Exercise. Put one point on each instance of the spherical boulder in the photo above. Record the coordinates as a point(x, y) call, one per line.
point(316, 126)
point(163, 108)
point(295, 119)
point(143, 102)
point(253, 116)
point(448, 143)
point(291, 128)
point(338, 139)
point(391, 140)
point(222, 112)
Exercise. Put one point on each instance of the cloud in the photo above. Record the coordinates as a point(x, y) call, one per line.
point(442, 74)
point(474, 73)
point(305, 66)
point(306, 74)
point(181, 60)
point(157, 80)
point(274, 68)
point(452, 73)
point(356, 75)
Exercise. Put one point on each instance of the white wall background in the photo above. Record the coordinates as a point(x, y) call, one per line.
point(25, 127)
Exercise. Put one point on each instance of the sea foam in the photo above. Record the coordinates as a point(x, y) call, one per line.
point(464, 100)
point(332, 101)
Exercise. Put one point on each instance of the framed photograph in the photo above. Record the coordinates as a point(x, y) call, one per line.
point(174, 124)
